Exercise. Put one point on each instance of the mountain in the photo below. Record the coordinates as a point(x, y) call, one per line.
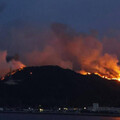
point(52, 86)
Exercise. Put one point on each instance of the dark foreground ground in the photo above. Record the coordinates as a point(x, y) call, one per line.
point(18, 116)
point(62, 114)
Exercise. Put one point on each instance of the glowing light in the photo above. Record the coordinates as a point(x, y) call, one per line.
point(30, 73)
point(107, 76)
point(88, 73)
point(118, 79)
point(41, 110)
point(59, 109)
point(65, 108)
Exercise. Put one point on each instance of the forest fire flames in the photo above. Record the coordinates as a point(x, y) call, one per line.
point(102, 76)
point(12, 72)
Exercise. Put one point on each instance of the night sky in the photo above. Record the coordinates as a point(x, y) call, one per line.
point(81, 15)
point(25, 28)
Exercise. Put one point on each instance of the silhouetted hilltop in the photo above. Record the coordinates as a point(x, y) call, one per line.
point(55, 86)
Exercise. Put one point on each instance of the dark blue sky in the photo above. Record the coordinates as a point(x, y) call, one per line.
point(82, 15)
point(21, 20)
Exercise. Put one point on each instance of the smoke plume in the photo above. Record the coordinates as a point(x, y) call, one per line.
point(69, 49)
point(6, 66)
point(63, 46)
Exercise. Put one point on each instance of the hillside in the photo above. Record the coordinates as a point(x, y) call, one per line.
point(54, 86)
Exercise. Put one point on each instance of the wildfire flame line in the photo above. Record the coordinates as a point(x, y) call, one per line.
point(13, 72)
point(103, 76)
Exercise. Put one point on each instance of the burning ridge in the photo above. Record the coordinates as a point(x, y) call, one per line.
point(63, 46)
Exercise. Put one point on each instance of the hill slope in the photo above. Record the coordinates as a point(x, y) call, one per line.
point(54, 86)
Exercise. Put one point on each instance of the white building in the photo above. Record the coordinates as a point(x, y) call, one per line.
point(96, 108)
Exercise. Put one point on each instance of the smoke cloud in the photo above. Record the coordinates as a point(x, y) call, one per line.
point(69, 49)
point(61, 45)
point(6, 66)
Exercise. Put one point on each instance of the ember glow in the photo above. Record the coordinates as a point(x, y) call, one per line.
point(12, 72)
point(108, 68)
point(103, 76)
